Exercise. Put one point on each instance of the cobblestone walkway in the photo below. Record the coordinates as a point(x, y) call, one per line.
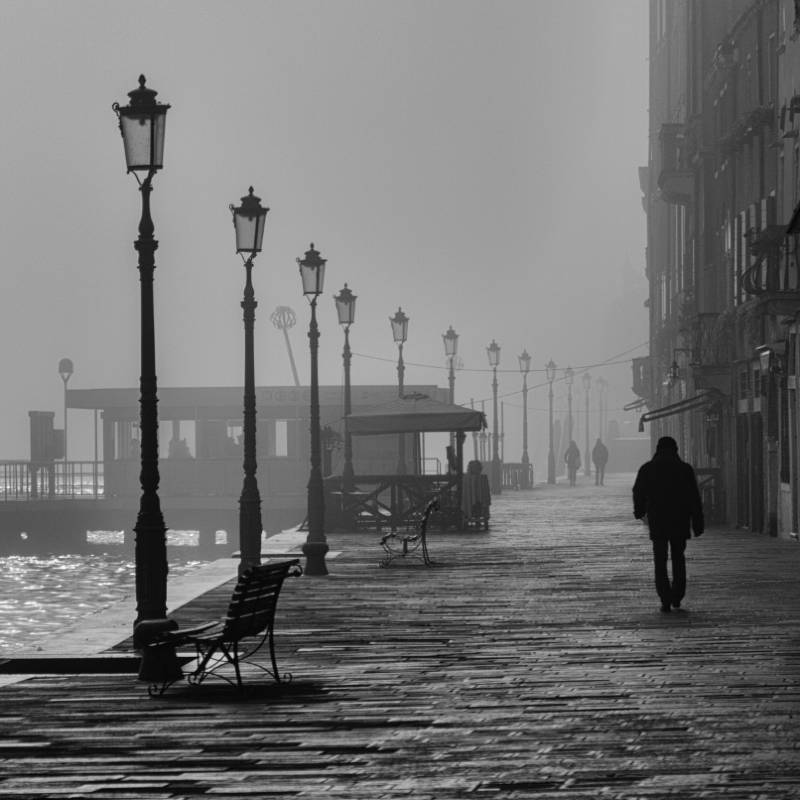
point(529, 661)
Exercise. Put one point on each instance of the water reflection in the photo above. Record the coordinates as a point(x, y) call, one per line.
point(40, 595)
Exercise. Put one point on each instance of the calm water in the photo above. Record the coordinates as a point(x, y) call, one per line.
point(41, 594)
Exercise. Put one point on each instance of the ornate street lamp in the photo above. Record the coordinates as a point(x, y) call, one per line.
point(312, 273)
point(525, 367)
point(248, 222)
point(569, 377)
point(65, 370)
point(399, 324)
point(346, 311)
point(142, 123)
point(450, 340)
point(587, 385)
point(493, 351)
point(550, 372)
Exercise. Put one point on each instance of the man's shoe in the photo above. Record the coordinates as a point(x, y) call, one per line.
point(676, 603)
point(665, 608)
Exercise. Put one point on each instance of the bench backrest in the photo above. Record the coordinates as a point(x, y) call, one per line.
point(253, 603)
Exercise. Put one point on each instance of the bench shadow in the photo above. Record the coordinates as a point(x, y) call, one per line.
point(219, 691)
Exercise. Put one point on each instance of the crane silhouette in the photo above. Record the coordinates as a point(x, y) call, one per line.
point(284, 318)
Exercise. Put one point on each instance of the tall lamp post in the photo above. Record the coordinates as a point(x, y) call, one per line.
point(142, 123)
point(312, 273)
point(602, 388)
point(65, 370)
point(493, 351)
point(248, 222)
point(450, 339)
point(346, 311)
point(550, 372)
point(587, 385)
point(569, 377)
point(399, 324)
point(525, 367)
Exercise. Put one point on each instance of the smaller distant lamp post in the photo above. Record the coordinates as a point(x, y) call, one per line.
point(450, 340)
point(587, 385)
point(312, 274)
point(550, 372)
point(493, 352)
point(602, 387)
point(525, 368)
point(399, 324)
point(248, 222)
point(569, 378)
point(346, 311)
point(65, 370)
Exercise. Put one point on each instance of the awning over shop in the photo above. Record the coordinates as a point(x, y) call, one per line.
point(416, 413)
point(635, 405)
point(702, 399)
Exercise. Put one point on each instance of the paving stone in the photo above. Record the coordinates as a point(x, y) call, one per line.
point(529, 661)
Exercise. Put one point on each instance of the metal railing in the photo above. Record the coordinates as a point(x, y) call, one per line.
point(24, 480)
point(517, 476)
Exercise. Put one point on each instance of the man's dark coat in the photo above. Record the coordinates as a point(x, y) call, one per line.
point(666, 490)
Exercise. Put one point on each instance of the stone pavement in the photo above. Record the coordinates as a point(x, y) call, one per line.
point(529, 661)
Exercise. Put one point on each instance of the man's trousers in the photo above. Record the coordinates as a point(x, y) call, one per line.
point(676, 547)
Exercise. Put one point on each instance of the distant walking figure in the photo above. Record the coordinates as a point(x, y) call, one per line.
point(599, 459)
point(573, 458)
point(666, 492)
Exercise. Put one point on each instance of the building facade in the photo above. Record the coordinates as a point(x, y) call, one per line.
point(721, 192)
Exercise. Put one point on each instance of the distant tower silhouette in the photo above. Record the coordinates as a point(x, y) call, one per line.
point(284, 318)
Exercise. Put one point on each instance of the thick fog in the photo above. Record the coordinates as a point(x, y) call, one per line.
point(473, 162)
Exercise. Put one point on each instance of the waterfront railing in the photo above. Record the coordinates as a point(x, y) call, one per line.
point(26, 480)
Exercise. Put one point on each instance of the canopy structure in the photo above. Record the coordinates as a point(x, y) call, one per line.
point(415, 413)
point(702, 399)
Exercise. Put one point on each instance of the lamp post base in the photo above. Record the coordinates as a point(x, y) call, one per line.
point(315, 558)
point(551, 467)
point(526, 482)
point(497, 477)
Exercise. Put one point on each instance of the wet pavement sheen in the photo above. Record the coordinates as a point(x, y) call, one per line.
point(529, 661)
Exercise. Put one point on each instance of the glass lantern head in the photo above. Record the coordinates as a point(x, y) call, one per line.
point(450, 340)
point(345, 306)
point(248, 222)
point(524, 362)
point(142, 123)
point(493, 351)
point(550, 370)
point(399, 324)
point(312, 272)
point(569, 376)
point(65, 369)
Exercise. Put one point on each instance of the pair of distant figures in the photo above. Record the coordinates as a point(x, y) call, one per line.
point(572, 458)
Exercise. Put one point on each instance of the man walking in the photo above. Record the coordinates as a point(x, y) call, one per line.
point(666, 493)
point(600, 459)
point(572, 457)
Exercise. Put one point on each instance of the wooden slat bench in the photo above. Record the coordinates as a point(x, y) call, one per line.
point(397, 545)
point(239, 635)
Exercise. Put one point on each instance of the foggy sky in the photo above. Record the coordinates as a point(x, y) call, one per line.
point(472, 162)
